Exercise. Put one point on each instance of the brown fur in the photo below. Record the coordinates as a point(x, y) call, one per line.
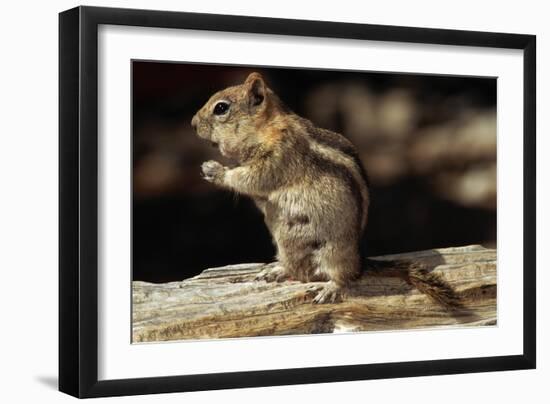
point(308, 182)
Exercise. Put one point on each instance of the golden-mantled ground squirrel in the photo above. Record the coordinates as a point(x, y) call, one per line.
point(308, 182)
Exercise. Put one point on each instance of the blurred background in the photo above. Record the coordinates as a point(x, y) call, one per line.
point(428, 144)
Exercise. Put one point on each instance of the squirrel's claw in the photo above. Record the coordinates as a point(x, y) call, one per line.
point(275, 273)
point(327, 293)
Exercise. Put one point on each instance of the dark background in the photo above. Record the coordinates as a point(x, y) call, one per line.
point(428, 143)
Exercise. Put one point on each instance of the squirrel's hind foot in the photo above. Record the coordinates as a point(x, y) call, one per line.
point(273, 273)
point(329, 292)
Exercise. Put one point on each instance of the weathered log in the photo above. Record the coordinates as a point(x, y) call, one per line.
point(226, 302)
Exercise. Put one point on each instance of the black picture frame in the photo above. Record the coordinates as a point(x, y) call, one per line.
point(78, 201)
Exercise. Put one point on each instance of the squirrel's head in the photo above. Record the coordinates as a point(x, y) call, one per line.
point(233, 118)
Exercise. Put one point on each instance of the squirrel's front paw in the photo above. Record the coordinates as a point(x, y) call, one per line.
point(212, 171)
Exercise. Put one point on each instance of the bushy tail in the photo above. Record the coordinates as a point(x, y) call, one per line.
point(418, 276)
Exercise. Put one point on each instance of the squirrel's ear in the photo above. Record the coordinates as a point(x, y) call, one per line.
point(255, 90)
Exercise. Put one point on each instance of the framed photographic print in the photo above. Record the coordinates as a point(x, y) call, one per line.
point(252, 201)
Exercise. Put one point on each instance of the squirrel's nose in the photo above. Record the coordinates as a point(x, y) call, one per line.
point(195, 122)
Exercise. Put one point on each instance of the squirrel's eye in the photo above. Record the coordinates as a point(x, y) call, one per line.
point(221, 108)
